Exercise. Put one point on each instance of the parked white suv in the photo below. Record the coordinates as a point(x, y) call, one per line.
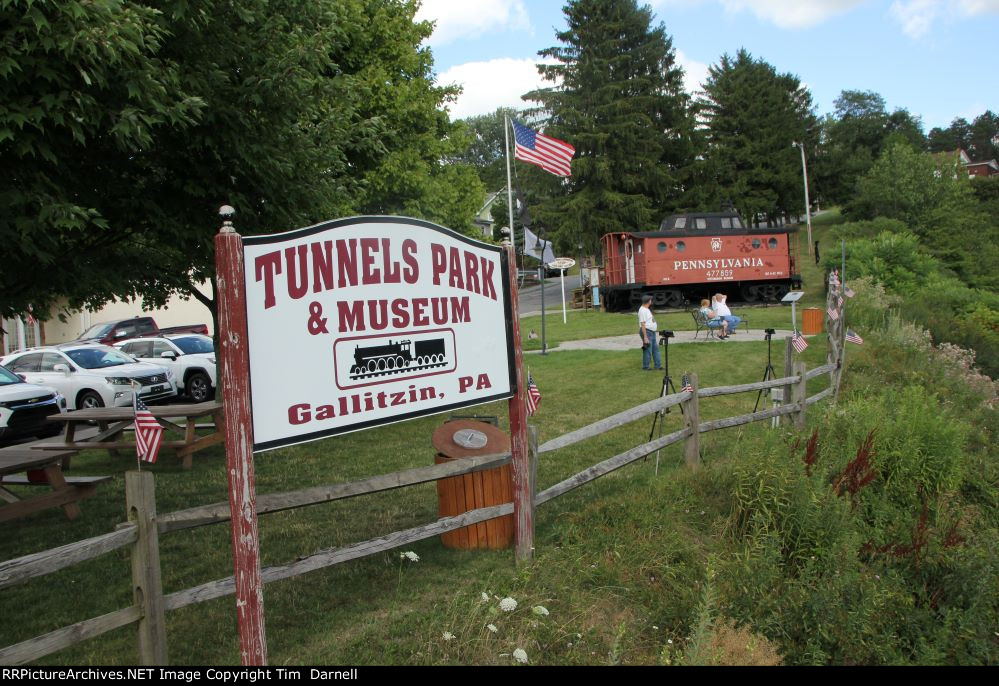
point(92, 375)
point(191, 358)
point(24, 408)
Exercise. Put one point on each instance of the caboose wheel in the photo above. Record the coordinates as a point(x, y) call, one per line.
point(673, 298)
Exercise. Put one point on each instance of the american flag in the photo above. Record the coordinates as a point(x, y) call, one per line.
point(533, 395)
point(852, 336)
point(687, 386)
point(834, 278)
point(550, 154)
point(833, 314)
point(839, 301)
point(847, 291)
point(799, 342)
point(148, 432)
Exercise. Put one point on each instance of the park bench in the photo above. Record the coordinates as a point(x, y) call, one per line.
point(41, 468)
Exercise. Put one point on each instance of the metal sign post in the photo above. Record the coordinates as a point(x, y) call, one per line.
point(562, 264)
point(235, 388)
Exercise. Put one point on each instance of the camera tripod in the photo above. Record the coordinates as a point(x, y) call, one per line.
point(659, 418)
point(768, 373)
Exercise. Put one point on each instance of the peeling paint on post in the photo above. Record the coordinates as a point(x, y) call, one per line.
point(235, 390)
point(523, 499)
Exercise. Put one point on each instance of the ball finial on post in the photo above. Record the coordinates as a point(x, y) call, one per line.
point(227, 212)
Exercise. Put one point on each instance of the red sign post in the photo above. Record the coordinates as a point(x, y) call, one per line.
point(235, 387)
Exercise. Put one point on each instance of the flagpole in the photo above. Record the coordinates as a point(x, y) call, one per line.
point(509, 187)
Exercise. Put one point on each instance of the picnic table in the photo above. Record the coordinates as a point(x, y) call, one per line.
point(113, 421)
point(42, 468)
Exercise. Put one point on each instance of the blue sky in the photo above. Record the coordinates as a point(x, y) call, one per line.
point(936, 58)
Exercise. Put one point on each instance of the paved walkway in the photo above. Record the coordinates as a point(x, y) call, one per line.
point(631, 342)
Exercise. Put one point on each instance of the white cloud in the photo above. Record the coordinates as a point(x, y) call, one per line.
point(694, 73)
point(787, 14)
point(501, 82)
point(492, 84)
point(918, 16)
point(457, 19)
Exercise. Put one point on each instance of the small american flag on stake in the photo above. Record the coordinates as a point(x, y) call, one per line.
point(833, 314)
point(799, 342)
point(148, 432)
point(839, 301)
point(687, 386)
point(533, 396)
point(852, 336)
point(847, 291)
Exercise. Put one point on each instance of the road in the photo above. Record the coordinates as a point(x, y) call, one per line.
point(529, 300)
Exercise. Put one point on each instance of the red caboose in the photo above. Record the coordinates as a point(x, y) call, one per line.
point(696, 254)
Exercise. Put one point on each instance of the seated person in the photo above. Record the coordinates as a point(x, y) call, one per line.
point(713, 320)
point(721, 309)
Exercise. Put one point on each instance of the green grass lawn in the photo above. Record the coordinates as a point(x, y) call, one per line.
point(618, 565)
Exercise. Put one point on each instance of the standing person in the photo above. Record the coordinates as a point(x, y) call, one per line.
point(721, 309)
point(647, 330)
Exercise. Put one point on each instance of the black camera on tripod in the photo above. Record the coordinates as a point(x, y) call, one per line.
point(769, 332)
point(663, 335)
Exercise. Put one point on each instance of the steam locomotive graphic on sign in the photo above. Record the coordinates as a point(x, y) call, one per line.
point(393, 358)
point(369, 360)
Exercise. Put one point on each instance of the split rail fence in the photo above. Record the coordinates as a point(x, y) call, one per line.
point(144, 526)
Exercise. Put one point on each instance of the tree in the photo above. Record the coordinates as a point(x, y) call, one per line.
point(618, 98)
point(854, 137)
point(752, 115)
point(485, 149)
point(980, 139)
point(324, 108)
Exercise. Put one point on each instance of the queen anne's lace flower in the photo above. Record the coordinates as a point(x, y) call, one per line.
point(508, 604)
point(447, 636)
point(492, 628)
point(540, 610)
point(410, 555)
point(520, 655)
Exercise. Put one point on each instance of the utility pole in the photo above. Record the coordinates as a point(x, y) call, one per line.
point(808, 209)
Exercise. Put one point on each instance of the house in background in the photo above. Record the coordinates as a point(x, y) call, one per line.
point(984, 168)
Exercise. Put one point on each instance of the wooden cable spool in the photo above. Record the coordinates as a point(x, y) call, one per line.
point(458, 494)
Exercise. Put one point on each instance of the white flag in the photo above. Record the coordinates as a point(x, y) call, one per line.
point(532, 247)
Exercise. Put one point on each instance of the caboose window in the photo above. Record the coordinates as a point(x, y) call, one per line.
point(736, 223)
point(661, 247)
point(680, 246)
point(772, 243)
point(701, 223)
point(756, 243)
point(680, 223)
point(726, 222)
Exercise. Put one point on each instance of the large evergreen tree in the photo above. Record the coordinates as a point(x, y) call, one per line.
point(753, 114)
point(618, 98)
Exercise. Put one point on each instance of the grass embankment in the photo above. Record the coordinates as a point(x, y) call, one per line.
point(769, 552)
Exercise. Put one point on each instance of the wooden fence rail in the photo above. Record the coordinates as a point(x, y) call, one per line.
point(144, 526)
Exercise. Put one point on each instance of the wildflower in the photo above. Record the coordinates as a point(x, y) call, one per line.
point(492, 628)
point(508, 604)
point(569, 644)
point(670, 641)
point(520, 655)
point(409, 555)
point(485, 597)
point(655, 627)
point(540, 610)
point(447, 636)
point(579, 635)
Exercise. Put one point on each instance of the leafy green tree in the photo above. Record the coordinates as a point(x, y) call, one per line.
point(485, 148)
point(618, 99)
point(934, 198)
point(324, 108)
point(752, 115)
point(853, 138)
point(980, 139)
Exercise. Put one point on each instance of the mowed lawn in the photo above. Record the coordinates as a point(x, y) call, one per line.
point(614, 558)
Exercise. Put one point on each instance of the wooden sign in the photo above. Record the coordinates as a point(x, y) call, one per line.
point(365, 321)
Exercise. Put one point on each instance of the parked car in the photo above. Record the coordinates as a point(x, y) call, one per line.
point(119, 330)
point(24, 408)
point(92, 375)
point(191, 358)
